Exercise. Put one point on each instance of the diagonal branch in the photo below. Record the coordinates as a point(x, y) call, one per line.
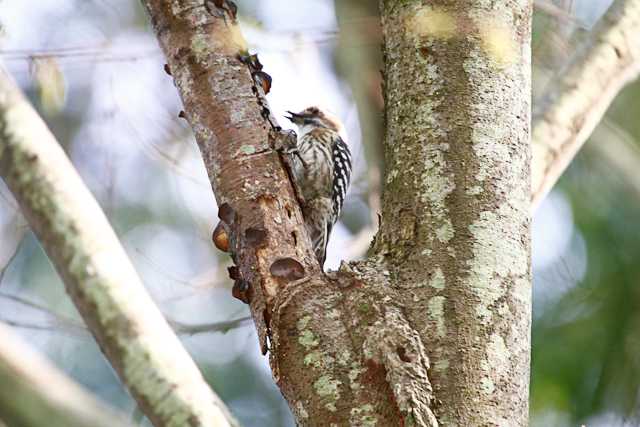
point(97, 273)
point(234, 130)
point(579, 99)
point(35, 393)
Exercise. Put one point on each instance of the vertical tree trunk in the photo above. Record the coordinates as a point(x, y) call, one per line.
point(455, 215)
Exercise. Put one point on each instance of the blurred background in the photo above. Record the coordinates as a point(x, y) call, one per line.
point(94, 71)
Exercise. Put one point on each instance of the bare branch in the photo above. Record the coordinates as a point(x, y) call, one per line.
point(551, 9)
point(578, 100)
point(16, 250)
point(97, 273)
point(34, 393)
point(59, 323)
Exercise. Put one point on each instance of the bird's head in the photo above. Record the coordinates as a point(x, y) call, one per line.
point(314, 117)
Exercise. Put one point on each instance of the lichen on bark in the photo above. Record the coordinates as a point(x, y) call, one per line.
point(455, 221)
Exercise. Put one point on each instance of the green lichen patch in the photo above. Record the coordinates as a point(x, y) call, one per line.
point(201, 45)
point(364, 308)
point(247, 149)
point(313, 359)
point(303, 322)
point(498, 354)
point(354, 373)
point(487, 385)
point(363, 416)
point(444, 233)
point(441, 365)
point(437, 280)
point(327, 388)
point(308, 340)
point(435, 312)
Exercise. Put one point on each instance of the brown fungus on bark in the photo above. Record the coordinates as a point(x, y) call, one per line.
point(221, 238)
point(241, 290)
point(255, 237)
point(263, 79)
point(227, 214)
point(182, 114)
point(288, 269)
point(221, 7)
point(250, 61)
point(234, 272)
point(402, 354)
point(167, 69)
point(232, 8)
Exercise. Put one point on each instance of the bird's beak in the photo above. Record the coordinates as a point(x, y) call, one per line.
point(293, 117)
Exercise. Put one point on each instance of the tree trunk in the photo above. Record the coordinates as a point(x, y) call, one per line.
point(450, 277)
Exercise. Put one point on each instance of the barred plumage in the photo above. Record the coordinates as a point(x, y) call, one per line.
point(322, 169)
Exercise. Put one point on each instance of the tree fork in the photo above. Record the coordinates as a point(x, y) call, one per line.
point(351, 347)
point(317, 358)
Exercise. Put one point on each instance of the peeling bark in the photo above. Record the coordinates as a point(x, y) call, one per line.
point(447, 292)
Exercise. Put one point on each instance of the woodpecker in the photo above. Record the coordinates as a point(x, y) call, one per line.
point(321, 167)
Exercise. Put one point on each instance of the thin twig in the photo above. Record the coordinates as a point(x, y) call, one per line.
point(65, 323)
point(223, 327)
point(13, 256)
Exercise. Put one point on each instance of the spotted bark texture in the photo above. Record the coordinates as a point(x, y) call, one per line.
point(455, 221)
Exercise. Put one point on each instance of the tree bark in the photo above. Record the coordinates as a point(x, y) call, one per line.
point(450, 278)
point(98, 276)
point(455, 222)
